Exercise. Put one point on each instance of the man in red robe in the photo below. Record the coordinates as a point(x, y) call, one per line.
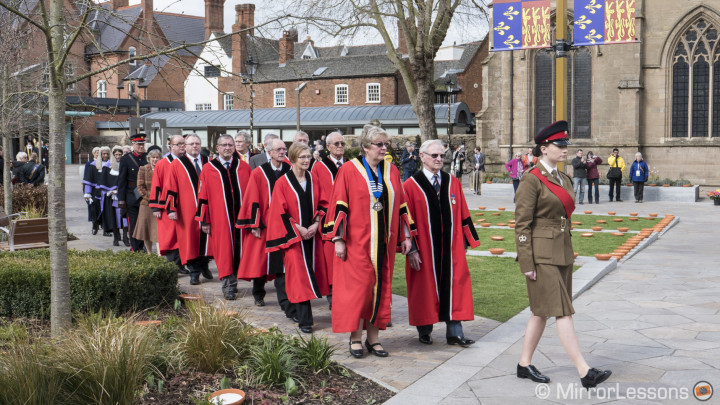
point(438, 279)
point(323, 174)
point(181, 201)
point(167, 236)
point(222, 183)
point(256, 264)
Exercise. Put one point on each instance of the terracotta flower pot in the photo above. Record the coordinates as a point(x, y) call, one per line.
point(596, 228)
point(576, 223)
point(501, 208)
point(497, 238)
point(575, 255)
point(601, 221)
point(588, 212)
point(666, 185)
point(481, 208)
point(650, 218)
point(617, 220)
point(512, 221)
point(488, 182)
point(155, 322)
point(228, 397)
point(611, 213)
point(618, 234)
point(603, 256)
point(495, 214)
point(652, 215)
point(479, 214)
point(652, 185)
point(501, 224)
point(511, 226)
point(587, 234)
point(485, 224)
point(632, 219)
point(481, 220)
point(622, 229)
point(633, 214)
point(687, 185)
point(497, 251)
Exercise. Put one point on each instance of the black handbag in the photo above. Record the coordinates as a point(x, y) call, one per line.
point(614, 172)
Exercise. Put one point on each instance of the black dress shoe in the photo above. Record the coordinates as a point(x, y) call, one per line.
point(116, 243)
point(94, 231)
point(294, 319)
point(207, 273)
point(594, 377)
point(107, 233)
point(194, 279)
point(259, 302)
point(425, 339)
point(183, 270)
point(371, 349)
point(619, 200)
point(357, 353)
point(306, 329)
point(230, 296)
point(460, 340)
point(532, 373)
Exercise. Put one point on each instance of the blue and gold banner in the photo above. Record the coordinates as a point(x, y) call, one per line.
point(599, 22)
point(521, 24)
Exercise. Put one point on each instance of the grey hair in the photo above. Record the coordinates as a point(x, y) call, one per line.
point(369, 134)
point(267, 140)
point(300, 133)
point(638, 154)
point(272, 143)
point(226, 136)
point(332, 135)
point(154, 152)
point(427, 144)
point(245, 135)
point(193, 135)
point(21, 155)
point(95, 149)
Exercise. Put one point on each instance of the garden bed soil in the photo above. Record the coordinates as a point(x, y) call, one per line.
point(189, 387)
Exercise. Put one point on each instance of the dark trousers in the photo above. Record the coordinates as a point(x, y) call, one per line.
point(282, 297)
point(303, 311)
point(258, 287)
point(229, 284)
point(516, 183)
point(132, 213)
point(173, 256)
point(639, 188)
point(198, 264)
point(615, 183)
point(596, 182)
point(453, 328)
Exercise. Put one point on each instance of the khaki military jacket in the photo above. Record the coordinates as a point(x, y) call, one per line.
point(542, 229)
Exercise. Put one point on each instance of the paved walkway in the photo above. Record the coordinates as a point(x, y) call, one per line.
point(654, 320)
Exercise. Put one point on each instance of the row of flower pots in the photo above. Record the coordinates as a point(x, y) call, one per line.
point(631, 243)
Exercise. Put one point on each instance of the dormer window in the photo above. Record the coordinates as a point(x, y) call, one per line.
point(344, 51)
point(131, 54)
point(309, 52)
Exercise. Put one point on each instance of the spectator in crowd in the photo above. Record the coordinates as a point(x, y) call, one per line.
point(615, 176)
point(593, 177)
point(32, 172)
point(639, 172)
point(45, 155)
point(515, 169)
point(459, 161)
point(17, 167)
point(410, 160)
point(579, 164)
point(478, 170)
point(447, 158)
point(529, 161)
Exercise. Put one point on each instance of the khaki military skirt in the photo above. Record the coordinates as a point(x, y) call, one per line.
point(551, 293)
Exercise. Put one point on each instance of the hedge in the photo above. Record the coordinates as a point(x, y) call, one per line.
point(99, 280)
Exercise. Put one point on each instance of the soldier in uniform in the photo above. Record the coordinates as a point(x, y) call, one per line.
point(544, 203)
point(127, 184)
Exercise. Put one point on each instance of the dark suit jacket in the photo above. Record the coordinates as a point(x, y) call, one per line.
point(258, 160)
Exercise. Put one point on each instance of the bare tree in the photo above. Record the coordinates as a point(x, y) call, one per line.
point(422, 26)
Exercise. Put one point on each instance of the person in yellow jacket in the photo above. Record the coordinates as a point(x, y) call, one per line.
point(615, 178)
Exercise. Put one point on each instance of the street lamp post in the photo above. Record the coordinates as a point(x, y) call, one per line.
point(251, 66)
point(449, 87)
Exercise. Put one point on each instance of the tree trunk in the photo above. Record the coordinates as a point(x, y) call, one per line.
point(60, 315)
point(6, 145)
point(425, 104)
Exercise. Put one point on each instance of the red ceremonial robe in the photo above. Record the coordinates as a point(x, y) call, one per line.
point(290, 207)
point(219, 200)
point(441, 289)
point(256, 261)
point(181, 196)
point(323, 174)
point(167, 237)
point(362, 282)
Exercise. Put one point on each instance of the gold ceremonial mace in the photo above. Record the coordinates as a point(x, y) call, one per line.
point(561, 65)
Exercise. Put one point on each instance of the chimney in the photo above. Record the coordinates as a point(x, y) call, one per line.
point(309, 40)
point(245, 14)
point(402, 42)
point(116, 4)
point(146, 36)
point(239, 46)
point(213, 16)
point(287, 47)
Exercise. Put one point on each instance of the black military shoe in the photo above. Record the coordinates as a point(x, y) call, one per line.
point(425, 339)
point(532, 373)
point(460, 340)
point(194, 279)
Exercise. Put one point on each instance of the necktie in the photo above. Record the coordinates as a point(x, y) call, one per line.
point(243, 158)
point(436, 184)
point(555, 174)
point(197, 166)
point(278, 173)
point(338, 164)
point(227, 165)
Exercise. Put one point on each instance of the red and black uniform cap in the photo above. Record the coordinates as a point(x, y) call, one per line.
point(138, 138)
point(556, 133)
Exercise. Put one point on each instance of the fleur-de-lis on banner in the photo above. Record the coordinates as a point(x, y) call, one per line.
point(582, 22)
point(592, 7)
point(511, 41)
point(592, 36)
point(511, 13)
point(501, 28)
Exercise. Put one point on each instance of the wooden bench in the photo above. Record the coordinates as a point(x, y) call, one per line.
point(26, 234)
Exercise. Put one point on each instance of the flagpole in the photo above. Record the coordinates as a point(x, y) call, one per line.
point(561, 61)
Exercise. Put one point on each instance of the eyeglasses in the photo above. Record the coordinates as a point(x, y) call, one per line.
point(226, 145)
point(338, 144)
point(280, 149)
point(381, 144)
point(436, 155)
point(304, 157)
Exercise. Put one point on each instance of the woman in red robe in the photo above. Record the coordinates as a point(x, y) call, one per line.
point(296, 210)
point(368, 220)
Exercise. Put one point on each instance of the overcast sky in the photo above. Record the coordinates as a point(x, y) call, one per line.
point(264, 8)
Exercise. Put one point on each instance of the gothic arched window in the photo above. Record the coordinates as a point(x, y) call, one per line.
point(696, 82)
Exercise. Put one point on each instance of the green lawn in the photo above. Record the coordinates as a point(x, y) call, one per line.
point(601, 242)
point(586, 220)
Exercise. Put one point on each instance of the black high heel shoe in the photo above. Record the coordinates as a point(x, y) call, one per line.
point(357, 353)
point(371, 349)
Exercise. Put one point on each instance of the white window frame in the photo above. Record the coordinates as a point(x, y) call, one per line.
point(228, 101)
point(203, 107)
point(130, 89)
point(101, 87)
point(338, 95)
point(132, 52)
point(279, 99)
point(367, 93)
